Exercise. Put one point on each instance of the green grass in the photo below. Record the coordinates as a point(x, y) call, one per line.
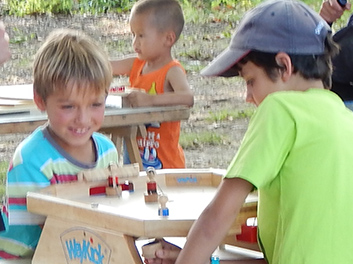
point(195, 140)
point(230, 114)
point(3, 168)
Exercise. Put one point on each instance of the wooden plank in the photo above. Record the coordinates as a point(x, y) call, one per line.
point(114, 118)
point(17, 92)
point(14, 102)
point(64, 241)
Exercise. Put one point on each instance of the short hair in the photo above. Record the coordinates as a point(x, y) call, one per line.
point(70, 56)
point(167, 14)
point(308, 66)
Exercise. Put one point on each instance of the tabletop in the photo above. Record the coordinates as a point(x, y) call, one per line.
point(128, 216)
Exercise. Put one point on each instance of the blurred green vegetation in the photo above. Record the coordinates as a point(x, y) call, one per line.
point(196, 11)
point(35, 7)
point(3, 169)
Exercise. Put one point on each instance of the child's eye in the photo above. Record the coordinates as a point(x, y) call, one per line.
point(67, 106)
point(97, 105)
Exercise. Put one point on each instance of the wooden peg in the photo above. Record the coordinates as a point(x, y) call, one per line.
point(163, 210)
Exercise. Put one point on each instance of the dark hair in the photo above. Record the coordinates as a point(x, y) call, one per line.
point(308, 66)
point(167, 14)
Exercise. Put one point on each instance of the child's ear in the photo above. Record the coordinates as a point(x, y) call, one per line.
point(170, 38)
point(285, 62)
point(38, 100)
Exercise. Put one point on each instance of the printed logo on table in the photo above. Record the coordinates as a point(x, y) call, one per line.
point(187, 179)
point(82, 246)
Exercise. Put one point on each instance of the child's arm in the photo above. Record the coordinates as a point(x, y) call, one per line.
point(213, 224)
point(176, 92)
point(169, 253)
point(122, 66)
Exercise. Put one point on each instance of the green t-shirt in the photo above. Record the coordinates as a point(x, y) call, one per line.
point(298, 152)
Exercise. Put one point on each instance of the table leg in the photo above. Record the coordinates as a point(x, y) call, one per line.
point(128, 134)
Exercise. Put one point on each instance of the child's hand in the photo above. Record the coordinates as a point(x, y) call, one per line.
point(140, 99)
point(167, 255)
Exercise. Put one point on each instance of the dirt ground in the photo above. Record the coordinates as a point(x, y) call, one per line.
point(197, 46)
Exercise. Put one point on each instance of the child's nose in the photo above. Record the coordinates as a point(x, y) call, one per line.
point(82, 116)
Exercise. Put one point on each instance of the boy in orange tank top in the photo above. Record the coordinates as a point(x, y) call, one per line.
point(156, 25)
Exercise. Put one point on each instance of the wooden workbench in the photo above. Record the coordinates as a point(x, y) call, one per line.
point(123, 123)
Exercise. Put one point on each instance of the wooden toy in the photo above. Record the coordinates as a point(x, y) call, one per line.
point(151, 196)
point(248, 231)
point(110, 176)
point(114, 189)
point(215, 260)
point(126, 172)
point(80, 228)
point(163, 210)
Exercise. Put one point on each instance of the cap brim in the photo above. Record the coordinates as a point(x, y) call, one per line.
point(223, 64)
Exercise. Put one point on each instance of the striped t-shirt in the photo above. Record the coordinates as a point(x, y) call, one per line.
point(37, 163)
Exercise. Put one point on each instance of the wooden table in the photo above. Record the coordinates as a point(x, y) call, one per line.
point(120, 123)
point(98, 229)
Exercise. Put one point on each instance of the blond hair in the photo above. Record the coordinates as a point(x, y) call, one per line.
point(70, 56)
point(167, 14)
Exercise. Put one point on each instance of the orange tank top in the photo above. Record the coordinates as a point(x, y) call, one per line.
point(160, 148)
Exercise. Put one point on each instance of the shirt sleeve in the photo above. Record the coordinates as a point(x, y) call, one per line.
point(266, 144)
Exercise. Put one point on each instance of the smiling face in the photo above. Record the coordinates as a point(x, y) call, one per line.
point(74, 113)
point(258, 83)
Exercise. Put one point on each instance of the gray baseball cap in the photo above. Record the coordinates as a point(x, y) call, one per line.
point(274, 26)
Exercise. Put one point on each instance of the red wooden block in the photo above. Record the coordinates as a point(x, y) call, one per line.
point(151, 187)
point(97, 190)
point(125, 186)
point(110, 181)
point(248, 234)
